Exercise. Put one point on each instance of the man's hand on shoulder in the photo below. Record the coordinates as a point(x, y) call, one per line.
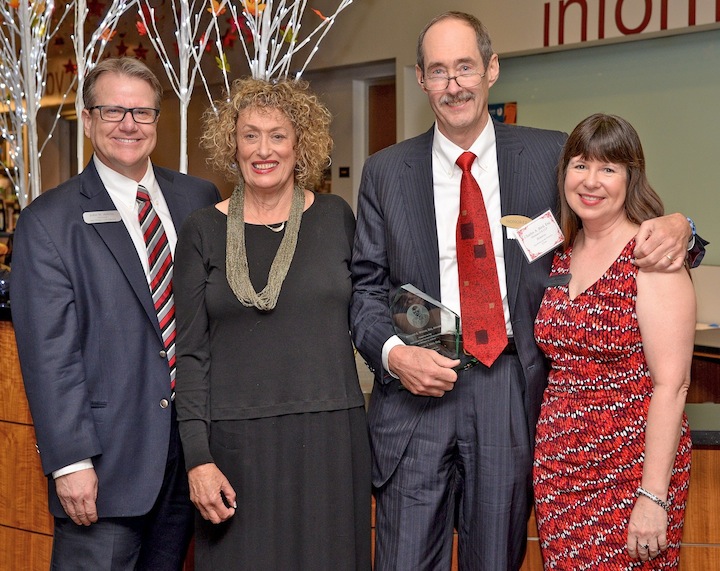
point(423, 372)
point(78, 493)
point(661, 243)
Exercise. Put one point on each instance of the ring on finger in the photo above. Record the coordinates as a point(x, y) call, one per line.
point(669, 257)
point(644, 547)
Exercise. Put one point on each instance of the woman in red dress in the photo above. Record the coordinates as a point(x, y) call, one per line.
point(612, 459)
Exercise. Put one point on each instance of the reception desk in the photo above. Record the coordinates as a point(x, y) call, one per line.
point(25, 523)
point(701, 534)
point(26, 526)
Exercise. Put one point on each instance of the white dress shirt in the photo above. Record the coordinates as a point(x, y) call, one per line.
point(446, 190)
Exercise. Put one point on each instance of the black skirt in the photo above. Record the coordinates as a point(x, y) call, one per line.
point(303, 493)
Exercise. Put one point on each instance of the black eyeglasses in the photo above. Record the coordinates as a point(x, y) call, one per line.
point(440, 82)
point(115, 113)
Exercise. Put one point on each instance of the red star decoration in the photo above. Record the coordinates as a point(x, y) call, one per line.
point(70, 67)
point(122, 48)
point(229, 38)
point(95, 8)
point(140, 51)
point(208, 44)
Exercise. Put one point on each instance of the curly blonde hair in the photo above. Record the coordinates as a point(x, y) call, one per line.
point(308, 116)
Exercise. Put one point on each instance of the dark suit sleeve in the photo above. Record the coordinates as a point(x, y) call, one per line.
point(193, 344)
point(369, 311)
point(697, 252)
point(46, 327)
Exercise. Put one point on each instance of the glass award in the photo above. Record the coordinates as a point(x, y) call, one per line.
point(423, 321)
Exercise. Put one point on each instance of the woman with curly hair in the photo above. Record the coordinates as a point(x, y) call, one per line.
point(271, 413)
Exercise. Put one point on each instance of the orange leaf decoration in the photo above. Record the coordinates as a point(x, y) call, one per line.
point(319, 13)
point(215, 8)
point(108, 34)
point(142, 30)
point(252, 8)
point(14, 4)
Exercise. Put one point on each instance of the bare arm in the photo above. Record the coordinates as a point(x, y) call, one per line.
point(666, 315)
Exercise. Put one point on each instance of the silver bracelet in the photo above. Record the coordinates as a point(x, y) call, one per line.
point(643, 492)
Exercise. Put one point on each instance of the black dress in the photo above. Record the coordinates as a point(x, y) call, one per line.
point(273, 397)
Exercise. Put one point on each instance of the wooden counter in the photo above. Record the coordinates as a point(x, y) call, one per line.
point(25, 524)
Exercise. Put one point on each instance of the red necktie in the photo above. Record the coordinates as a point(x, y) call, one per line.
point(160, 265)
point(481, 309)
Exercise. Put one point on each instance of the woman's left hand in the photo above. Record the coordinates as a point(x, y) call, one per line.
point(212, 493)
point(647, 530)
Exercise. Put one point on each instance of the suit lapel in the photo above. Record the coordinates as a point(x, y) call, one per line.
point(416, 186)
point(117, 239)
point(176, 199)
point(514, 192)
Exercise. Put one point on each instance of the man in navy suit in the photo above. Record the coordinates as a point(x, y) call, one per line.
point(454, 449)
point(97, 372)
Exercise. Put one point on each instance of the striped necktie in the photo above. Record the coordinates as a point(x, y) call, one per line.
point(160, 265)
point(481, 309)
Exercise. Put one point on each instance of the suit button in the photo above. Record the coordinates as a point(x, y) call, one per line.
point(164, 403)
point(163, 354)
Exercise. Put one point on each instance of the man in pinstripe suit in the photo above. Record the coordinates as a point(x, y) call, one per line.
point(455, 449)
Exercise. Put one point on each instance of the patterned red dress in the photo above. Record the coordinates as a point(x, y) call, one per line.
point(591, 433)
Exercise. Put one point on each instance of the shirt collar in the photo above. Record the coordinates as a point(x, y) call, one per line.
point(122, 187)
point(445, 152)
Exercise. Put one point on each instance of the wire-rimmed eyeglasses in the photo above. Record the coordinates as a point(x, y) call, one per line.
point(115, 113)
point(441, 82)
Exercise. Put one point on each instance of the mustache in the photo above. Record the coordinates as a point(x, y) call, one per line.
point(461, 97)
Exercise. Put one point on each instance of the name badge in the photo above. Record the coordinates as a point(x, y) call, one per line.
point(539, 236)
point(101, 216)
point(512, 222)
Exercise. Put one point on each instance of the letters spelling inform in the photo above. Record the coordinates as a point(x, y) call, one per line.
point(574, 14)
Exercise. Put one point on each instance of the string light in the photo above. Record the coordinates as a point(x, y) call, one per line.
point(270, 35)
point(88, 55)
point(192, 36)
point(24, 38)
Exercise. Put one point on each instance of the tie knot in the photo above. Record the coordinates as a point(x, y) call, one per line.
point(465, 161)
point(142, 194)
